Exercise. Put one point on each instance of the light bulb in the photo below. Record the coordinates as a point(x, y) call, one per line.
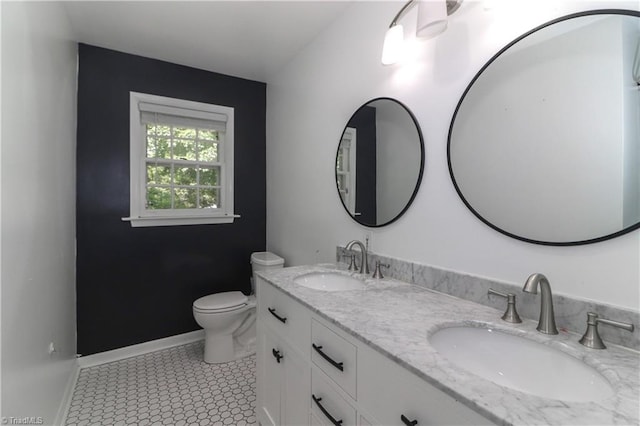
point(393, 44)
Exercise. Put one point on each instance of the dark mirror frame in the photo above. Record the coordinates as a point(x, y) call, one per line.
point(420, 173)
point(453, 119)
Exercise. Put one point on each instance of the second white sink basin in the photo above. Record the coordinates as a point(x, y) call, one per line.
point(329, 281)
point(521, 364)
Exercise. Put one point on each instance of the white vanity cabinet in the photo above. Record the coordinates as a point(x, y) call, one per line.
point(335, 355)
point(329, 406)
point(283, 375)
point(394, 396)
point(328, 377)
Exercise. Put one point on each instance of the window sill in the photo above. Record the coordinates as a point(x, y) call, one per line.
point(137, 222)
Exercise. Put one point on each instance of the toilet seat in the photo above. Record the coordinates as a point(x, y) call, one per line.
point(221, 302)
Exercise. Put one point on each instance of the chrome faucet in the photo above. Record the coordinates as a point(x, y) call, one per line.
point(591, 338)
point(547, 322)
point(364, 265)
point(510, 315)
point(377, 272)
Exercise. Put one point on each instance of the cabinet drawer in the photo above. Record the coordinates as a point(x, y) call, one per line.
point(327, 406)
point(335, 356)
point(283, 315)
point(397, 397)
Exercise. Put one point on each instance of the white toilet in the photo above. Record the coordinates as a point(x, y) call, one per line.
point(229, 318)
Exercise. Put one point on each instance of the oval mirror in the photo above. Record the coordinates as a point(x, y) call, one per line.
point(544, 145)
point(380, 162)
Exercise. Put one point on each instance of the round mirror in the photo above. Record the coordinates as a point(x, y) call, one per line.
point(379, 163)
point(544, 145)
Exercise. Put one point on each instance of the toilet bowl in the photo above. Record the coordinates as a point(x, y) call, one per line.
point(229, 318)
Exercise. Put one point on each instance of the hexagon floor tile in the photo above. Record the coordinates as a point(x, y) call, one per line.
point(168, 387)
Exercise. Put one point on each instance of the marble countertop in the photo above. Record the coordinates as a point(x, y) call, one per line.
point(396, 318)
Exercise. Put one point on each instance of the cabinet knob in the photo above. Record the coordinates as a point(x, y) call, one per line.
point(277, 354)
point(408, 422)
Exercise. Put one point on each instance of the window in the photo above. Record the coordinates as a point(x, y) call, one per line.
point(181, 162)
point(346, 170)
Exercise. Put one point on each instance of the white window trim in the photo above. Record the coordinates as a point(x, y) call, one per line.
point(349, 137)
point(139, 216)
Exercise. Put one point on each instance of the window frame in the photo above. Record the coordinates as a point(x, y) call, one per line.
point(140, 216)
point(348, 143)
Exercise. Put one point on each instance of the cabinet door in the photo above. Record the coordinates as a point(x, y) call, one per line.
point(396, 397)
point(269, 380)
point(296, 389)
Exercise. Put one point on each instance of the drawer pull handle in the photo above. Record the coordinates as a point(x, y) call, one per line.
point(273, 312)
point(408, 422)
point(277, 355)
point(325, 412)
point(338, 365)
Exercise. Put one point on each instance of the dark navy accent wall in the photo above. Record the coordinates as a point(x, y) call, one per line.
point(364, 121)
point(138, 284)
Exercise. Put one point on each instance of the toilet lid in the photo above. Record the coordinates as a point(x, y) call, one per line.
point(221, 301)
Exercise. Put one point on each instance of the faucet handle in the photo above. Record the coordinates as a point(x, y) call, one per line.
point(591, 338)
point(377, 273)
point(352, 264)
point(510, 315)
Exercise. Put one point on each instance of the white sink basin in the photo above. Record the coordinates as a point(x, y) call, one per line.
point(521, 364)
point(329, 281)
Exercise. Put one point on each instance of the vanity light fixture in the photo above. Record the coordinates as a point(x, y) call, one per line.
point(432, 20)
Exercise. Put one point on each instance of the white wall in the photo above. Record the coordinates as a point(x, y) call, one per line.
point(38, 208)
point(397, 160)
point(311, 99)
point(557, 123)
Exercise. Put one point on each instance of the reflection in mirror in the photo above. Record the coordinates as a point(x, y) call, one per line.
point(544, 144)
point(346, 169)
point(379, 163)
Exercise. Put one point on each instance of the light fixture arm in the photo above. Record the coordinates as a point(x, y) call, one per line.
point(401, 13)
point(432, 20)
point(452, 6)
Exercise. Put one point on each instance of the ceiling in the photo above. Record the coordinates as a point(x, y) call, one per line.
point(248, 39)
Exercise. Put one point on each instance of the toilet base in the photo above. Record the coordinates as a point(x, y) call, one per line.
point(218, 348)
point(221, 348)
point(244, 349)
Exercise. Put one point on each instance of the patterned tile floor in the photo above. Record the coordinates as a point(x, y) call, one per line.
point(168, 387)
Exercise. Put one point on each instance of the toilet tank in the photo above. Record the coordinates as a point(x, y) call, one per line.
point(263, 260)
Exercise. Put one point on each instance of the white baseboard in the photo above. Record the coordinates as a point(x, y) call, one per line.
point(139, 349)
point(61, 417)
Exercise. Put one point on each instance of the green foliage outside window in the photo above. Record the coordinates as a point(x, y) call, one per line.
point(174, 184)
